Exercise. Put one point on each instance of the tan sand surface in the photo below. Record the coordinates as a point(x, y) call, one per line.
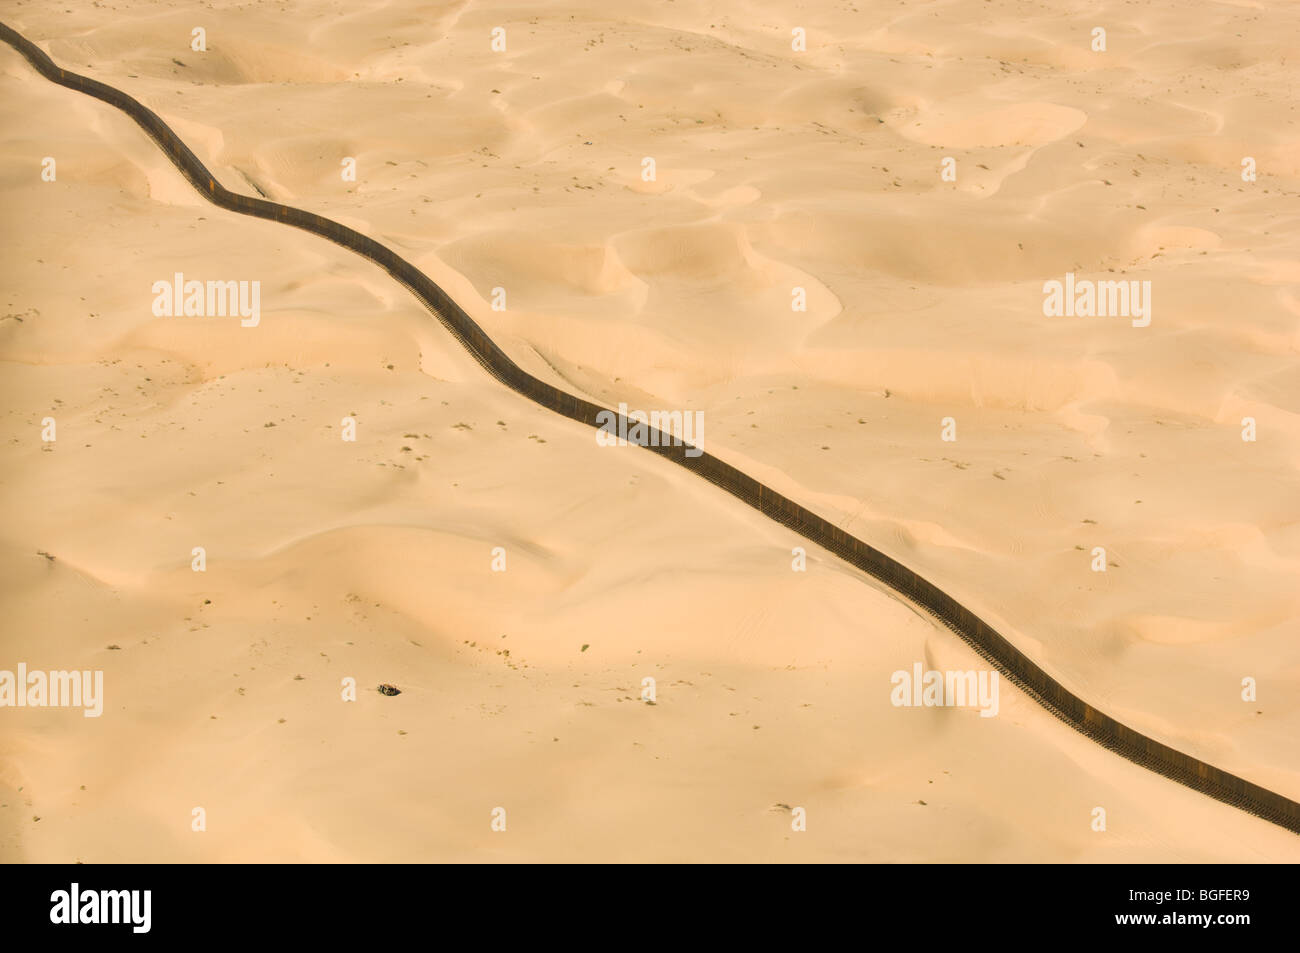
point(522, 170)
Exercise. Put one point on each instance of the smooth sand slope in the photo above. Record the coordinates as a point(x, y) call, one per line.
point(522, 170)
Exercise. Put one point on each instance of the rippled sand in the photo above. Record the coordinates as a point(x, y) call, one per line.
point(774, 170)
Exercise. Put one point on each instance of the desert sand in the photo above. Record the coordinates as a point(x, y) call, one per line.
point(522, 170)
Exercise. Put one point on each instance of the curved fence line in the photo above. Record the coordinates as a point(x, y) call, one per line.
point(991, 646)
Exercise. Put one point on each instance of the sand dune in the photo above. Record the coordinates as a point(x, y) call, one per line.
point(523, 170)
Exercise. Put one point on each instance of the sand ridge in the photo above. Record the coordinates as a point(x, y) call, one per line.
point(910, 384)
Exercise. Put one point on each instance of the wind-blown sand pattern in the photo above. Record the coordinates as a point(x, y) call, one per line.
point(718, 257)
